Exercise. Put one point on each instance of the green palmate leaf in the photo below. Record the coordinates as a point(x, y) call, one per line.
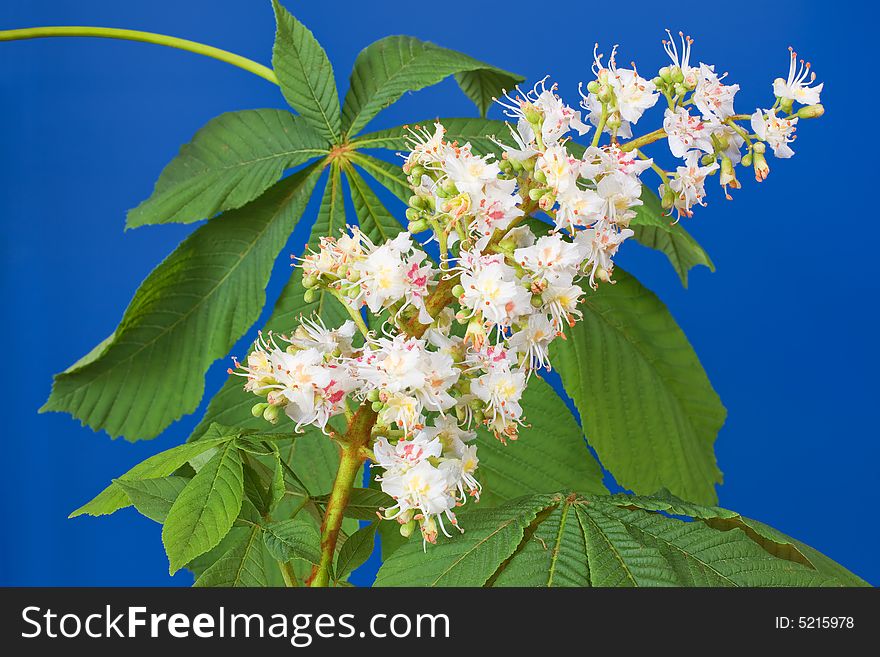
point(204, 511)
point(229, 162)
point(188, 312)
point(479, 133)
point(468, 559)
point(645, 402)
point(388, 68)
point(292, 539)
point(585, 540)
point(305, 74)
point(153, 497)
point(657, 231)
point(374, 219)
point(244, 564)
point(355, 551)
point(114, 497)
point(549, 455)
point(363, 503)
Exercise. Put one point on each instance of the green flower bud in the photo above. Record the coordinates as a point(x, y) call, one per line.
point(537, 193)
point(677, 76)
point(257, 409)
point(310, 281)
point(271, 413)
point(408, 528)
point(373, 395)
point(417, 225)
point(786, 105)
point(417, 172)
point(377, 406)
point(457, 291)
point(706, 160)
point(747, 160)
point(811, 112)
point(310, 295)
point(537, 301)
point(668, 199)
point(540, 177)
point(665, 74)
point(593, 87)
point(412, 214)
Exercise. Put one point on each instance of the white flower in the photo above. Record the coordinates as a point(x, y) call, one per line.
point(551, 258)
point(621, 193)
point(313, 334)
point(501, 389)
point(634, 94)
point(712, 98)
point(686, 132)
point(797, 86)
point(495, 207)
point(424, 488)
point(494, 291)
point(559, 168)
point(469, 172)
point(533, 341)
point(776, 131)
point(727, 135)
point(578, 208)
point(452, 437)
point(543, 106)
point(426, 148)
point(682, 59)
point(601, 244)
point(689, 184)
point(405, 454)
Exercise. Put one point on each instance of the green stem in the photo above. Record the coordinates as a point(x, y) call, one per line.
point(599, 128)
point(352, 458)
point(288, 574)
point(146, 37)
point(353, 313)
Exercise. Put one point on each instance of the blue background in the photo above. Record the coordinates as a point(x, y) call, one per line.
point(786, 328)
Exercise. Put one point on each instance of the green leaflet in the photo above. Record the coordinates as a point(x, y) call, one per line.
point(292, 539)
point(187, 313)
point(305, 74)
point(646, 404)
point(548, 456)
point(331, 214)
point(772, 540)
point(363, 503)
point(374, 219)
point(655, 230)
point(390, 176)
point(153, 498)
point(244, 564)
point(228, 163)
point(388, 68)
point(204, 511)
point(355, 551)
point(114, 497)
point(477, 132)
point(468, 559)
point(586, 540)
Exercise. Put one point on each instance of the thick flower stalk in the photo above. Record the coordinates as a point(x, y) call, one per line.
point(523, 238)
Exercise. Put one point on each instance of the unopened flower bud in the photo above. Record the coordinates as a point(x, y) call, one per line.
point(665, 74)
point(257, 409)
point(762, 169)
point(407, 528)
point(377, 406)
point(373, 395)
point(747, 160)
point(593, 87)
point(668, 199)
point(676, 75)
point(457, 291)
point(271, 413)
point(811, 112)
point(310, 295)
point(539, 176)
point(412, 214)
point(418, 225)
point(310, 281)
